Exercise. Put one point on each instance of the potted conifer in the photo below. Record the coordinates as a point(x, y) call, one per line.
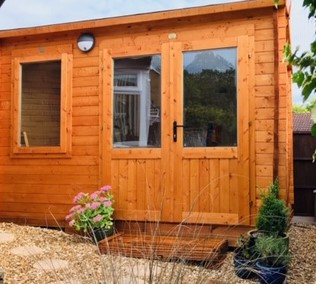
point(273, 215)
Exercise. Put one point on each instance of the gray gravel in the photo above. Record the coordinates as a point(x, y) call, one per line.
point(78, 261)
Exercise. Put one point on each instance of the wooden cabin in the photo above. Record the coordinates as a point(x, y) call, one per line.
point(185, 113)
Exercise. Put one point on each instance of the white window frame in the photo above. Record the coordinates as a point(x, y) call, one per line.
point(143, 90)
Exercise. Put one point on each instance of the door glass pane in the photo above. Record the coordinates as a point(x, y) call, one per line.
point(210, 98)
point(137, 102)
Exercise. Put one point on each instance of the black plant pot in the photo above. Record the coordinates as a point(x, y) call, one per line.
point(271, 275)
point(100, 234)
point(244, 268)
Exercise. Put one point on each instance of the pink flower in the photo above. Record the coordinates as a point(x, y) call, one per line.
point(108, 203)
point(95, 195)
point(105, 188)
point(68, 217)
point(102, 199)
point(95, 205)
point(78, 197)
point(97, 218)
point(75, 208)
point(81, 210)
point(72, 223)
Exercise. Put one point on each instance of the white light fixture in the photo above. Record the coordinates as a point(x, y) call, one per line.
point(86, 42)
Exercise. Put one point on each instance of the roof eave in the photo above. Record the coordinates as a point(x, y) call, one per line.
point(131, 19)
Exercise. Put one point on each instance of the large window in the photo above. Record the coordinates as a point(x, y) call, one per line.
point(210, 98)
point(40, 104)
point(42, 94)
point(136, 113)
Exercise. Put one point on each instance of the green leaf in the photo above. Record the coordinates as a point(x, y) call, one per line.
point(309, 85)
point(298, 78)
point(313, 47)
point(313, 130)
point(308, 88)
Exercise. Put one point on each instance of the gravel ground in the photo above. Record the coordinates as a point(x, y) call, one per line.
point(35, 255)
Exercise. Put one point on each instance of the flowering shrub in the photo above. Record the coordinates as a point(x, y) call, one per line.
point(92, 211)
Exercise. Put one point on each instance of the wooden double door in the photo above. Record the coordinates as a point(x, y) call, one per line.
point(175, 129)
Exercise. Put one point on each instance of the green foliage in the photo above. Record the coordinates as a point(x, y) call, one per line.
point(273, 251)
point(273, 215)
point(300, 109)
point(246, 248)
point(210, 97)
point(312, 7)
point(305, 76)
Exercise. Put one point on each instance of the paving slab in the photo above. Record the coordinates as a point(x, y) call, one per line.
point(26, 250)
point(6, 237)
point(51, 264)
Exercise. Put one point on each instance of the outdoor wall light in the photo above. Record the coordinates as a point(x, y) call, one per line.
point(86, 42)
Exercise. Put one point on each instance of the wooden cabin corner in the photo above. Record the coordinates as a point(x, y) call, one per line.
point(185, 113)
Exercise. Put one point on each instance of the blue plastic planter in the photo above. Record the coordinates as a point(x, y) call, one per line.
point(271, 275)
point(244, 268)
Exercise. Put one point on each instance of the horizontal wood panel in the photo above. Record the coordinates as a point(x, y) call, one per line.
point(18, 178)
point(90, 71)
point(85, 91)
point(49, 170)
point(264, 80)
point(87, 150)
point(85, 120)
point(60, 189)
point(85, 111)
point(50, 209)
point(264, 57)
point(76, 160)
point(213, 153)
point(210, 218)
point(136, 153)
point(85, 140)
point(37, 198)
point(85, 101)
point(37, 219)
point(86, 81)
point(264, 68)
point(83, 62)
point(137, 215)
point(264, 113)
point(85, 130)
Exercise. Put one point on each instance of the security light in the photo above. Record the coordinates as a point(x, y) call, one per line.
point(86, 42)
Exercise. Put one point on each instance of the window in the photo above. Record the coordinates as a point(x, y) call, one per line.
point(136, 113)
point(210, 98)
point(40, 104)
point(42, 93)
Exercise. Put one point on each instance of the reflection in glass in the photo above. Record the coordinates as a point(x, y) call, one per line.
point(210, 98)
point(137, 102)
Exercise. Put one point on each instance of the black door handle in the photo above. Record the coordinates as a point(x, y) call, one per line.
point(175, 126)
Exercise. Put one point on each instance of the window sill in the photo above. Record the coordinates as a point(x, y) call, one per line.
point(40, 152)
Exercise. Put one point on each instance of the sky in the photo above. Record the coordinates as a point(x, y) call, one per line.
point(28, 13)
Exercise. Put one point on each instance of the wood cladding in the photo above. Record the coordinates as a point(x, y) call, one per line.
point(171, 183)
